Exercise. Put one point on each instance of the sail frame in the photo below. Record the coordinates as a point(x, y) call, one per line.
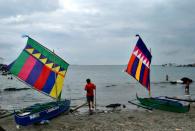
point(139, 64)
point(48, 78)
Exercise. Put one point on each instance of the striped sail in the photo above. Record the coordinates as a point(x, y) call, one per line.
point(40, 68)
point(139, 64)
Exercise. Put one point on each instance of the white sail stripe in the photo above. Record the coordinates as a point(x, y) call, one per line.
point(135, 52)
point(139, 56)
point(142, 58)
point(144, 61)
point(147, 65)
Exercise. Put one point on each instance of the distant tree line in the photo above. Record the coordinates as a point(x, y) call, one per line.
point(4, 69)
point(188, 65)
point(176, 65)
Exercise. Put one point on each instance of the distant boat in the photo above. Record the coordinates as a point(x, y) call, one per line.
point(139, 68)
point(176, 82)
point(183, 80)
point(44, 71)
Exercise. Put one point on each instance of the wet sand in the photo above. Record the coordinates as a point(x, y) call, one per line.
point(125, 120)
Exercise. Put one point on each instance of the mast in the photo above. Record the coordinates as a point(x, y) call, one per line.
point(149, 92)
point(55, 79)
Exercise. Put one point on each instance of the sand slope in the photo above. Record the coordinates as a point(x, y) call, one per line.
point(133, 120)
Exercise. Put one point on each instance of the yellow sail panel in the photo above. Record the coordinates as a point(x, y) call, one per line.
point(137, 76)
point(62, 73)
point(49, 65)
point(56, 69)
point(37, 55)
point(44, 60)
point(30, 50)
point(57, 88)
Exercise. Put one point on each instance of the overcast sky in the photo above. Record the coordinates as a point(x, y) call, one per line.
point(100, 31)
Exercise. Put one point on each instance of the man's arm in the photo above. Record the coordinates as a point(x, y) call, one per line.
point(86, 87)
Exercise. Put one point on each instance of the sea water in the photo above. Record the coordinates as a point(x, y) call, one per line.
point(112, 83)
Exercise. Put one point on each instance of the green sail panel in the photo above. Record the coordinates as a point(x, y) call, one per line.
point(18, 64)
point(47, 53)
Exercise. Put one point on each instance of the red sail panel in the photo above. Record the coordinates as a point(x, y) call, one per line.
point(130, 64)
point(146, 73)
point(39, 84)
point(27, 67)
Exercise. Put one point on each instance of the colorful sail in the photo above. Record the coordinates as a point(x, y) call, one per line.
point(40, 68)
point(139, 64)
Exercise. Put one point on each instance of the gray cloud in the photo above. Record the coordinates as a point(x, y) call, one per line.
point(100, 32)
point(10, 8)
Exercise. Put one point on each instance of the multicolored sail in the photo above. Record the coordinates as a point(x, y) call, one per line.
point(139, 64)
point(40, 68)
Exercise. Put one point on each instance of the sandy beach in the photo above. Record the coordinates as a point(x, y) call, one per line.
point(118, 120)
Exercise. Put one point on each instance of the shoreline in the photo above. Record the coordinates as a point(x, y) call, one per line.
point(116, 120)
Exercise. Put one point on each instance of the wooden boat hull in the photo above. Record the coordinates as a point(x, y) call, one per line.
point(40, 112)
point(163, 103)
